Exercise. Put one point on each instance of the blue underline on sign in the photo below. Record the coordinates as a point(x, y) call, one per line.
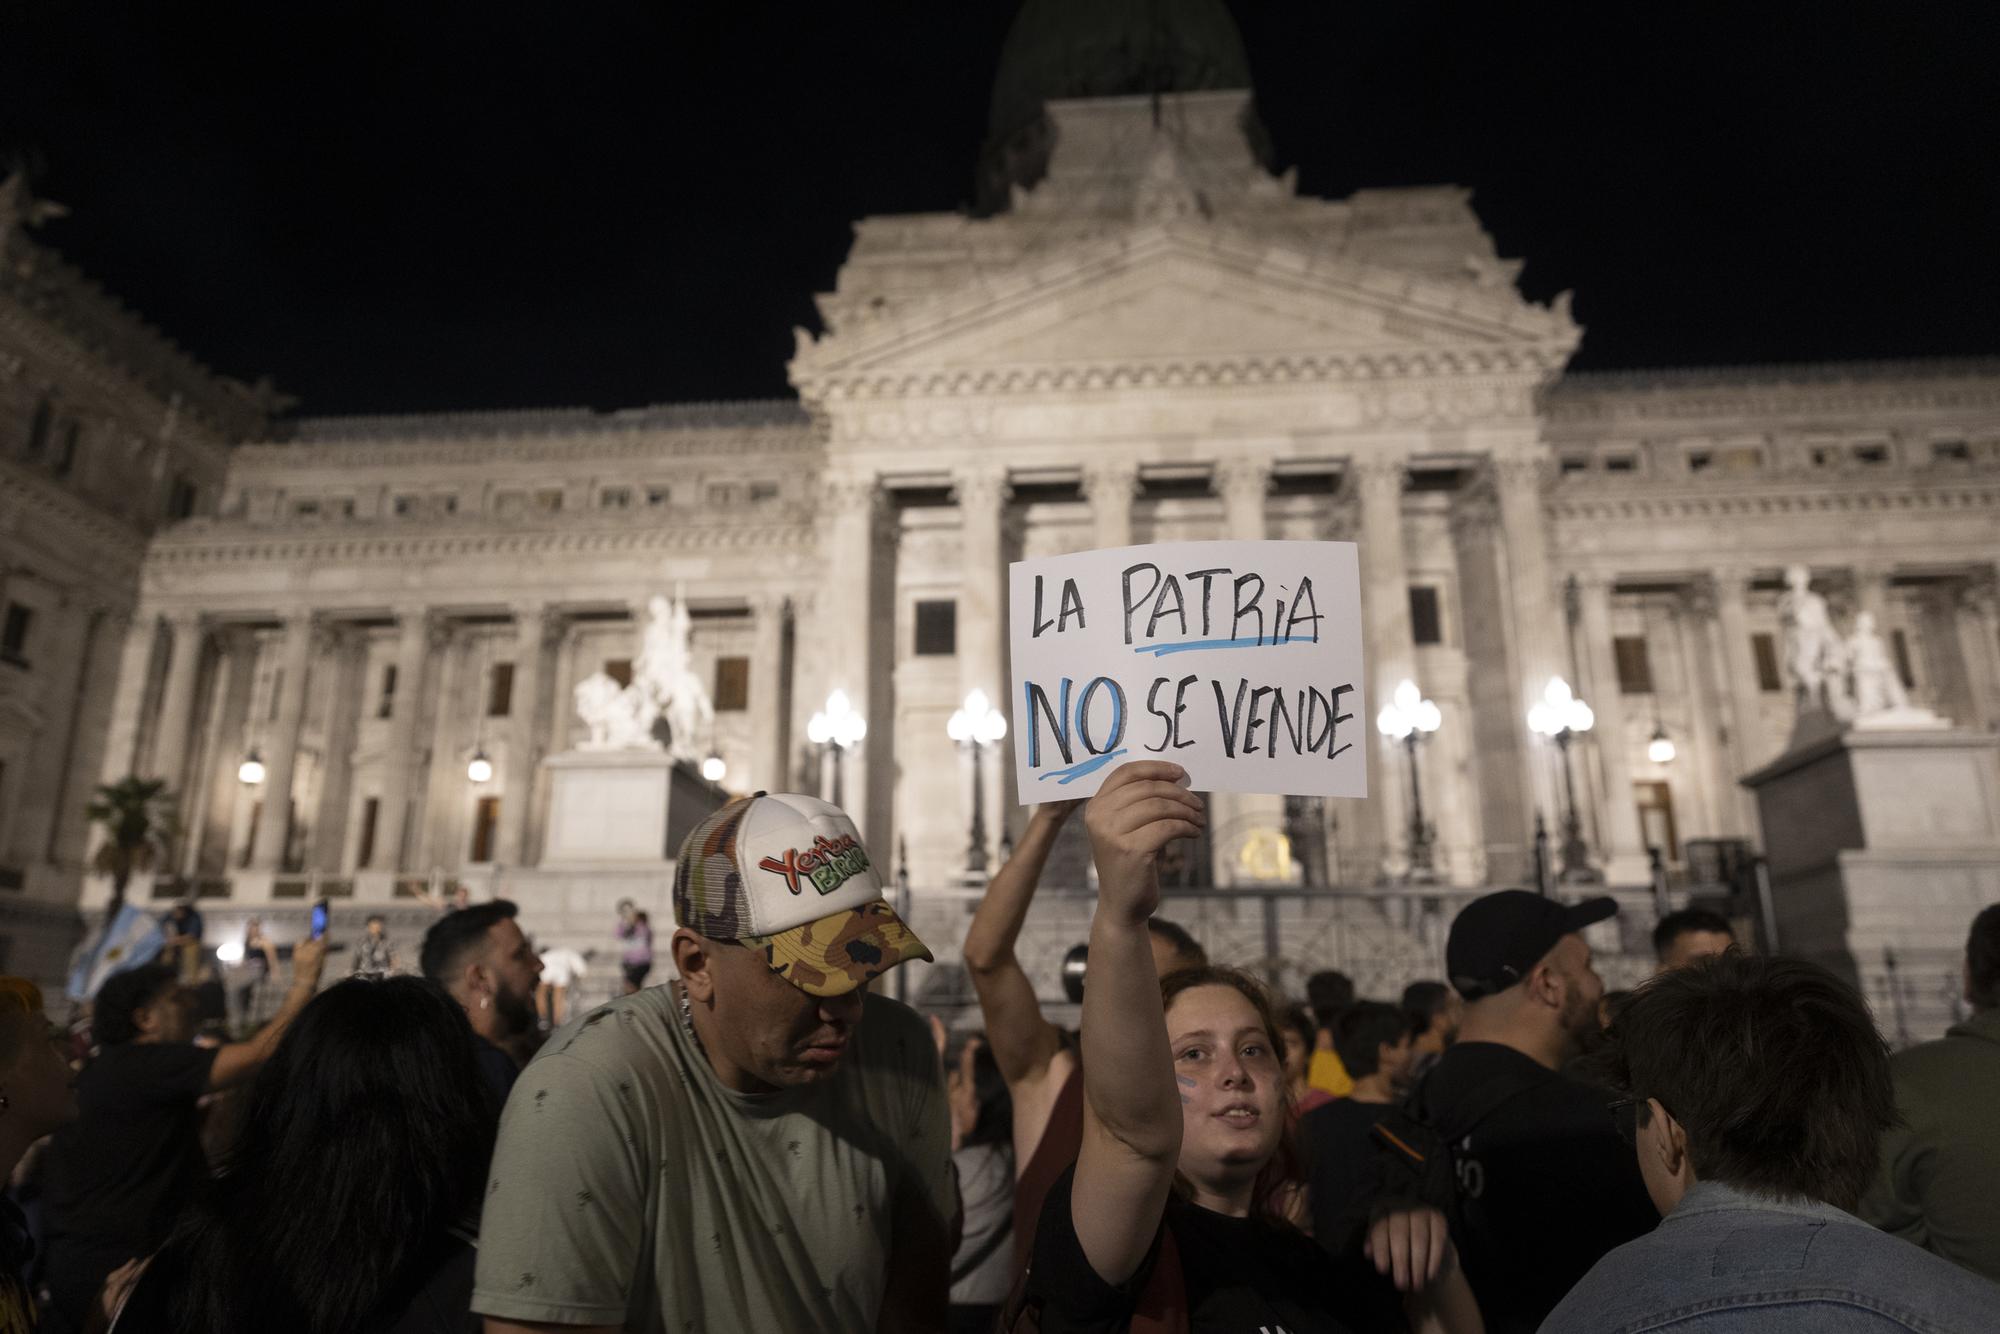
point(1076, 771)
point(1254, 641)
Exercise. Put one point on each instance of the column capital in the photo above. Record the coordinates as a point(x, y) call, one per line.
point(183, 618)
point(1698, 597)
point(329, 636)
point(851, 491)
point(981, 487)
point(438, 632)
point(766, 604)
point(296, 620)
point(1242, 473)
point(1729, 583)
point(1110, 479)
point(1594, 583)
point(1513, 471)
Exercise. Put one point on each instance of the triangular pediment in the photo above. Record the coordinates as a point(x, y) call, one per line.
point(1174, 298)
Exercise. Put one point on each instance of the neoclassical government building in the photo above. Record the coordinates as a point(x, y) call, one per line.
point(1144, 335)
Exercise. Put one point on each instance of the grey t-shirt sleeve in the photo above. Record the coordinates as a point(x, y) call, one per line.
point(567, 1198)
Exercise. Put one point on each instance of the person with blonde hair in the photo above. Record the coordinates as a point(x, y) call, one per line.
point(37, 1094)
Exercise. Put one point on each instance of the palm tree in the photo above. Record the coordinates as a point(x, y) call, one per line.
point(139, 823)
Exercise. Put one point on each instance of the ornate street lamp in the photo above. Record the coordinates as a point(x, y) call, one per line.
point(975, 726)
point(1562, 718)
point(251, 771)
point(1408, 717)
point(834, 730)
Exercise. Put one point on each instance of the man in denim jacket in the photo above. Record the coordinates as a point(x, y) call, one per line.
point(1759, 1089)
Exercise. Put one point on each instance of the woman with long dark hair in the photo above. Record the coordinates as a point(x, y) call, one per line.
point(1171, 1213)
point(348, 1203)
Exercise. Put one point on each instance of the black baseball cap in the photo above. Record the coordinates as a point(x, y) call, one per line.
point(1497, 939)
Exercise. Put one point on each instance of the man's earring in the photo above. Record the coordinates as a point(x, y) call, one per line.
point(485, 1002)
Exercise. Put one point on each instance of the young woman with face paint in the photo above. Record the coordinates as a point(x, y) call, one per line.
point(1168, 1215)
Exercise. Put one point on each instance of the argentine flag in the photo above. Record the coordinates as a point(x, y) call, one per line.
point(133, 940)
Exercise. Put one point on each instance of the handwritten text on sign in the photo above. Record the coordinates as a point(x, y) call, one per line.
point(1239, 661)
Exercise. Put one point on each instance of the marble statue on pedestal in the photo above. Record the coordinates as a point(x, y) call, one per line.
point(664, 686)
point(1880, 702)
point(1814, 657)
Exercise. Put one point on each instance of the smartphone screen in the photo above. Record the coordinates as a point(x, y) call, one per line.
point(319, 920)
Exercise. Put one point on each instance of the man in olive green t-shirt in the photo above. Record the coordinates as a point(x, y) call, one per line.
point(760, 1146)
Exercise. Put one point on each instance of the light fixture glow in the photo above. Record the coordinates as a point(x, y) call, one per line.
point(229, 953)
point(1660, 750)
point(251, 771)
point(1559, 711)
point(1408, 711)
point(976, 721)
point(837, 723)
point(714, 769)
point(479, 769)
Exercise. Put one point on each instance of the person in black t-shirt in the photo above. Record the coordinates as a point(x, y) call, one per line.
point(1546, 1185)
point(479, 955)
point(1169, 1207)
point(1373, 1041)
point(118, 1175)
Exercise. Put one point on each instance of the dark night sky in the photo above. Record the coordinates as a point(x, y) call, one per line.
point(405, 207)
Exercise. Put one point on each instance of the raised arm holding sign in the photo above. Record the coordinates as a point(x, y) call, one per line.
point(1239, 661)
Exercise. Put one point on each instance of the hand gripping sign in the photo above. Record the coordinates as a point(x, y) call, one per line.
point(1239, 661)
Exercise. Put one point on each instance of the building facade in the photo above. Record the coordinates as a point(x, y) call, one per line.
point(1153, 339)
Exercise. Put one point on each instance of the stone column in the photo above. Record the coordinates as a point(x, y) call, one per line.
point(1978, 623)
point(1244, 484)
point(770, 733)
point(1392, 653)
point(274, 827)
point(1706, 768)
point(215, 761)
point(1110, 486)
point(1747, 749)
point(135, 669)
point(1531, 598)
point(982, 611)
point(439, 798)
point(344, 659)
point(531, 627)
point(1618, 822)
point(170, 737)
point(855, 506)
point(399, 761)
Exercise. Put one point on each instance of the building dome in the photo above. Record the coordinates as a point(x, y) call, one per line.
point(1098, 48)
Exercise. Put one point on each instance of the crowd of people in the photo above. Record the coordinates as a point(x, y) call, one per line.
point(765, 1141)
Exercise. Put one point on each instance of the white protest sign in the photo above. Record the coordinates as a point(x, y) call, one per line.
point(1239, 661)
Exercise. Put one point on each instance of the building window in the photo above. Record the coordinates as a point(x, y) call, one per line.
point(732, 685)
point(1901, 643)
point(1572, 463)
point(250, 836)
point(549, 501)
point(1426, 627)
point(1871, 454)
point(65, 462)
point(181, 500)
point(721, 494)
point(937, 629)
point(619, 670)
point(405, 506)
point(1635, 669)
point(447, 504)
point(364, 850)
point(1700, 460)
point(656, 496)
point(485, 824)
point(305, 509)
point(344, 507)
point(500, 690)
point(615, 498)
point(14, 634)
point(1621, 463)
point(763, 490)
point(1764, 648)
point(1951, 451)
point(387, 704)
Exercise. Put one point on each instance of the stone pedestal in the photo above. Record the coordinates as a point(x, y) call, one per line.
point(621, 810)
point(1882, 845)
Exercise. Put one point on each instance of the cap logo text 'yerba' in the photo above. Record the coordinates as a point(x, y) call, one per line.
point(829, 863)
